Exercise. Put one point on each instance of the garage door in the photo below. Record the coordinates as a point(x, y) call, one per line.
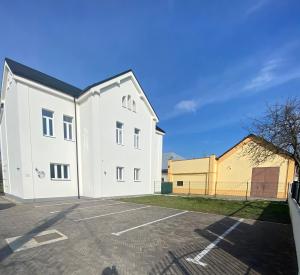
point(264, 182)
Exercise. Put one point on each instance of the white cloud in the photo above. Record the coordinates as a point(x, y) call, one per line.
point(186, 106)
point(265, 75)
point(255, 74)
point(256, 7)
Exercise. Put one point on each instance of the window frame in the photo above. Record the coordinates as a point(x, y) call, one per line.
point(120, 133)
point(61, 172)
point(120, 169)
point(136, 138)
point(137, 174)
point(48, 120)
point(179, 183)
point(68, 124)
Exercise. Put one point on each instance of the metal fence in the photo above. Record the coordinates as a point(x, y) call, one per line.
point(295, 191)
point(238, 190)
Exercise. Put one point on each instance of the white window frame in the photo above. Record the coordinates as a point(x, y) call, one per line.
point(137, 174)
point(48, 120)
point(120, 173)
point(119, 133)
point(69, 127)
point(136, 138)
point(60, 167)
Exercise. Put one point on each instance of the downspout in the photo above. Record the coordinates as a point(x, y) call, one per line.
point(76, 144)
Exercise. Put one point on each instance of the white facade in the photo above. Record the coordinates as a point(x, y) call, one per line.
point(91, 161)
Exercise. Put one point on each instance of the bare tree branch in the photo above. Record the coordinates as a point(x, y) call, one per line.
point(277, 132)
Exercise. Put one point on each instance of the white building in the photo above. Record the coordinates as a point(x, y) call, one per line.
point(61, 141)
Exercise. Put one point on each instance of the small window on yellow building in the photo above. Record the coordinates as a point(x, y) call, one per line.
point(179, 183)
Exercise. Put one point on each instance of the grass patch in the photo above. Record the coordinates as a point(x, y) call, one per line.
point(273, 211)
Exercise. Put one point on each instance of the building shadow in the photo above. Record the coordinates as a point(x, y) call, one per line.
point(6, 205)
point(6, 251)
point(252, 247)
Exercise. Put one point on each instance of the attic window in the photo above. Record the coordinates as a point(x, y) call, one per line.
point(129, 102)
point(124, 103)
point(133, 106)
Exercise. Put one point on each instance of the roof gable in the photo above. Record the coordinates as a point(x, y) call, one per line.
point(260, 141)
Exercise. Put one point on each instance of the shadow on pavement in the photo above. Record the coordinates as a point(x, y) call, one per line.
point(6, 250)
point(251, 248)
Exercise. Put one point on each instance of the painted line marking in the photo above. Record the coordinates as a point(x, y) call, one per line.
point(79, 202)
point(98, 205)
point(197, 259)
point(148, 223)
point(108, 214)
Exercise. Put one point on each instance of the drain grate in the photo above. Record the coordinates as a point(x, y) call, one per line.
point(47, 237)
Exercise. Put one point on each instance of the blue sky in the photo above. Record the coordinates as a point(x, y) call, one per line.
point(206, 66)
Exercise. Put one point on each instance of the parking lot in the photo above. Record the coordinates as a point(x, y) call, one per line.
point(95, 236)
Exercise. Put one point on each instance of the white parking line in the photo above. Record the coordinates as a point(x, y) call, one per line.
point(108, 214)
point(197, 259)
point(148, 223)
point(98, 205)
point(79, 202)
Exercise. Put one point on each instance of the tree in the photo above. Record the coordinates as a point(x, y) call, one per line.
point(277, 132)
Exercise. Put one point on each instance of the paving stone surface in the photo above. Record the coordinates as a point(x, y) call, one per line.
point(162, 247)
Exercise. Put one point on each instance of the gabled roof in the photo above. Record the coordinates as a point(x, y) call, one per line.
point(261, 142)
point(41, 78)
point(160, 130)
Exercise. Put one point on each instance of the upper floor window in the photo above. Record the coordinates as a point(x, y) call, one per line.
point(129, 102)
point(59, 171)
point(47, 123)
point(124, 101)
point(68, 125)
point(136, 138)
point(119, 132)
point(120, 173)
point(133, 106)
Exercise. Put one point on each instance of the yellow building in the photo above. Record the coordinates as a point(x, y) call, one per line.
point(234, 173)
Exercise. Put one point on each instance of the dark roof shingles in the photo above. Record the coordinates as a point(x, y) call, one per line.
point(41, 78)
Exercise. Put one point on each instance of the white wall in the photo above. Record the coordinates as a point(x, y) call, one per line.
point(46, 150)
point(98, 117)
point(10, 144)
point(99, 155)
point(295, 218)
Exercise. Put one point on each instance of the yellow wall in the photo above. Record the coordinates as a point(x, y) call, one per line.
point(228, 175)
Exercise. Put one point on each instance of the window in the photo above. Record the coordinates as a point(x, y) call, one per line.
point(120, 173)
point(133, 106)
point(124, 101)
point(47, 123)
point(68, 125)
point(137, 173)
point(59, 171)
point(129, 102)
point(119, 132)
point(179, 183)
point(136, 138)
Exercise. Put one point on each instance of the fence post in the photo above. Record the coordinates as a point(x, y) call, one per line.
point(189, 187)
point(247, 191)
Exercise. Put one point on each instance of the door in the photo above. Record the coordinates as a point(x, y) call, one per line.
point(264, 182)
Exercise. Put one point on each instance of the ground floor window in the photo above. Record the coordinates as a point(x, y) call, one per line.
point(137, 174)
point(120, 173)
point(59, 171)
point(180, 183)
